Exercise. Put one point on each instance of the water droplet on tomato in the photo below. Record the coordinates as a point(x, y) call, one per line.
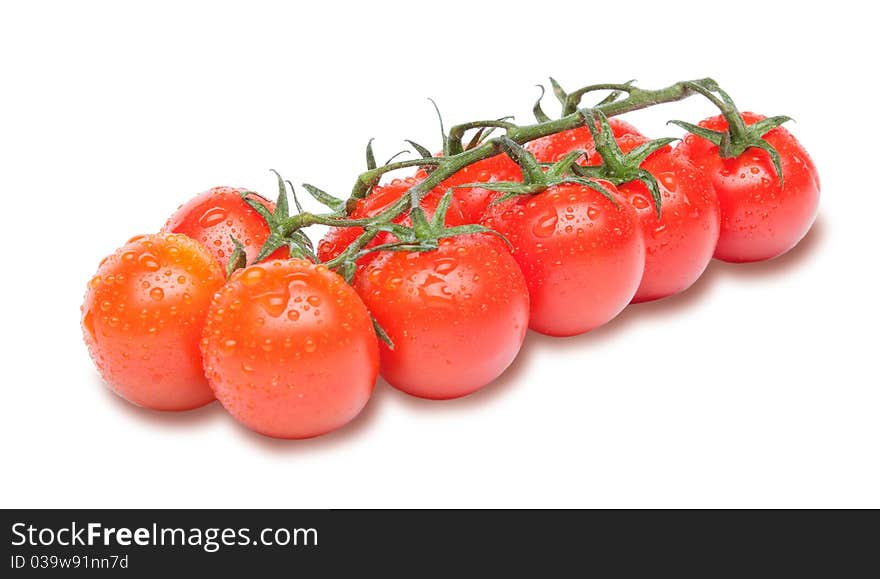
point(253, 275)
point(212, 217)
point(293, 315)
point(274, 303)
point(89, 324)
point(314, 300)
point(445, 265)
point(309, 345)
point(639, 202)
point(148, 262)
point(593, 213)
point(157, 294)
point(668, 180)
point(227, 346)
point(546, 224)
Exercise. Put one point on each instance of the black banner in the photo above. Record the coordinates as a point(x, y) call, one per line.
point(274, 542)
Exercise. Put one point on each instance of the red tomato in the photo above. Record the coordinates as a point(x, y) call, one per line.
point(289, 349)
point(582, 256)
point(143, 316)
point(759, 218)
point(213, 216)
point(553, 148)
point(380, 198)
point(457, 315)
point(680, 244)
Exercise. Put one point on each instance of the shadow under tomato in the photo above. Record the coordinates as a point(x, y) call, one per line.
point(360, 423)
point(163, 418)
point(671, 305)
point(784, 263)
point(482, 397)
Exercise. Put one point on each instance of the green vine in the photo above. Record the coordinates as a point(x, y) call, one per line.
point(286, 229)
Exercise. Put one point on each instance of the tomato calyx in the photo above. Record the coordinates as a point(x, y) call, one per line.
point(738, 137)
point(618, 167)
point(425, 234)
point(537, 177)
point(280, 235)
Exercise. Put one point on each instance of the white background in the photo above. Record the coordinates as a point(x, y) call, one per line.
point(757, 388)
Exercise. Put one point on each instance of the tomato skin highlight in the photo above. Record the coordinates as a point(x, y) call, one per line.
point(213, 216)
point(289, 349)
point(457, 315)
point(582, 256)
point(142, 319)
point(680, 244)
point(759, 219)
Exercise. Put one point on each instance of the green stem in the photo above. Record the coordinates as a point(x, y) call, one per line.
point(447, 166)
point(457, 132)
point(573, 100)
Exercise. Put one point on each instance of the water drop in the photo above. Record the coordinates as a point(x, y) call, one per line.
point(253, 275)
point(445, 265)
point(212, 217)
point(148, 262)
point(546, 224)
point(639, 202)
point(668, 180)
point(157, 294)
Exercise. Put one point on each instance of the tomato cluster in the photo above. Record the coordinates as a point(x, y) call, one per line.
point(290, 347)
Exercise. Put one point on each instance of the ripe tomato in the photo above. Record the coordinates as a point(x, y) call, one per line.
point(213, 216)
point(289, 349)
point(457, 315)
point(142, 320)
point(471, 202)
point(553, 148)
point(759, 218)
point(337, 239)
point(582, 255)
point(680, 244)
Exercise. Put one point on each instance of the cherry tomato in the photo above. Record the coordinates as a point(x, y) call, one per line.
point(457, 315)
point(289, 349)
point(213, 216)
point(143, 316)
point(760, 219)
point(582, 255)
point(680, 243)
point(380, 198)
point(553, 148)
